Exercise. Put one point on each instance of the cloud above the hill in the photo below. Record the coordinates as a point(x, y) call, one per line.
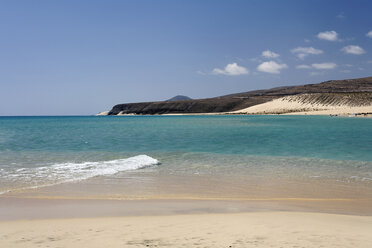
point(324, 66)
point(269, 54)
point(232, 69)
point(302, 52)
point(271, 67)
point(328, 35)
point(319, 66)
point(353, 49)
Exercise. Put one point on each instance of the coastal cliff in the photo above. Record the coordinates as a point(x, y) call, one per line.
point(352, 92)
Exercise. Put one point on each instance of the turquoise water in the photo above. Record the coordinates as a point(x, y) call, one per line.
point(39, 151)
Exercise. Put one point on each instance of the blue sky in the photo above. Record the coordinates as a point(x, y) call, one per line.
point(82, 57)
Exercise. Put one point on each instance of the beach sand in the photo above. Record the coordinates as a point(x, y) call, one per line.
point(33, 222)
point(255, 229)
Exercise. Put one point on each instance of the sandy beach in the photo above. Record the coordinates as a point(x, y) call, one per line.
point(27, 222)
point(257, 181)
point(186, 124)
point(257, 229)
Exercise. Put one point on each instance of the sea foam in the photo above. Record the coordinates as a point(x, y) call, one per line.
point(70, 172)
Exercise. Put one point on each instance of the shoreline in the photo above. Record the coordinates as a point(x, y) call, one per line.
point(333, 113)
point(146, 192)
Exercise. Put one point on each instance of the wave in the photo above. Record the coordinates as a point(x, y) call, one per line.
point(70, 172)
point(91, 169)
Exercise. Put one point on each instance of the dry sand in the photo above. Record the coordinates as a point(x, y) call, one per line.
point(257, 229)
point(26, 222)
point(295, 105)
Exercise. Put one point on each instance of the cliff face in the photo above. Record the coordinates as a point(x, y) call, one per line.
point(243, 100)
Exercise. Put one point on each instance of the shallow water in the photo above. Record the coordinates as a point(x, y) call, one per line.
point(101, 154)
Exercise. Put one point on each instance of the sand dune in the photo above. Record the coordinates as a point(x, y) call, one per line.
point(314, 104)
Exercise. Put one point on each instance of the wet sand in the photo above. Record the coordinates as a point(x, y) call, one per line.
point(14, 209)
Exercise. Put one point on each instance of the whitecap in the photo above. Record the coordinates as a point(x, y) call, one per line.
point(70, 172)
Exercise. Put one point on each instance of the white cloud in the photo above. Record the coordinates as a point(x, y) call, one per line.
point(303, 67)
point(369, 34)
point(324, 66)
point(352, 49)
point(271, 67)
point(328, 35)
point(302, 52)
point(320, 66)
point(232, 69)
point(269, 54)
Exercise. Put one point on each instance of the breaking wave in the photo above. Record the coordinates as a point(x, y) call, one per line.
point(70, 172)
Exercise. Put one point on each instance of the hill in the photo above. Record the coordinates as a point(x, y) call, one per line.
point(240, 101)
point(179, 98)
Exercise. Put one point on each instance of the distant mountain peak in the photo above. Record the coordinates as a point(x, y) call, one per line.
point(179, 98)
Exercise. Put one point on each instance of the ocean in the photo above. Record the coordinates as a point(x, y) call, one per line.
point(185, 156)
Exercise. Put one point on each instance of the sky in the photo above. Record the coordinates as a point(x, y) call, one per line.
point(82, 57)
